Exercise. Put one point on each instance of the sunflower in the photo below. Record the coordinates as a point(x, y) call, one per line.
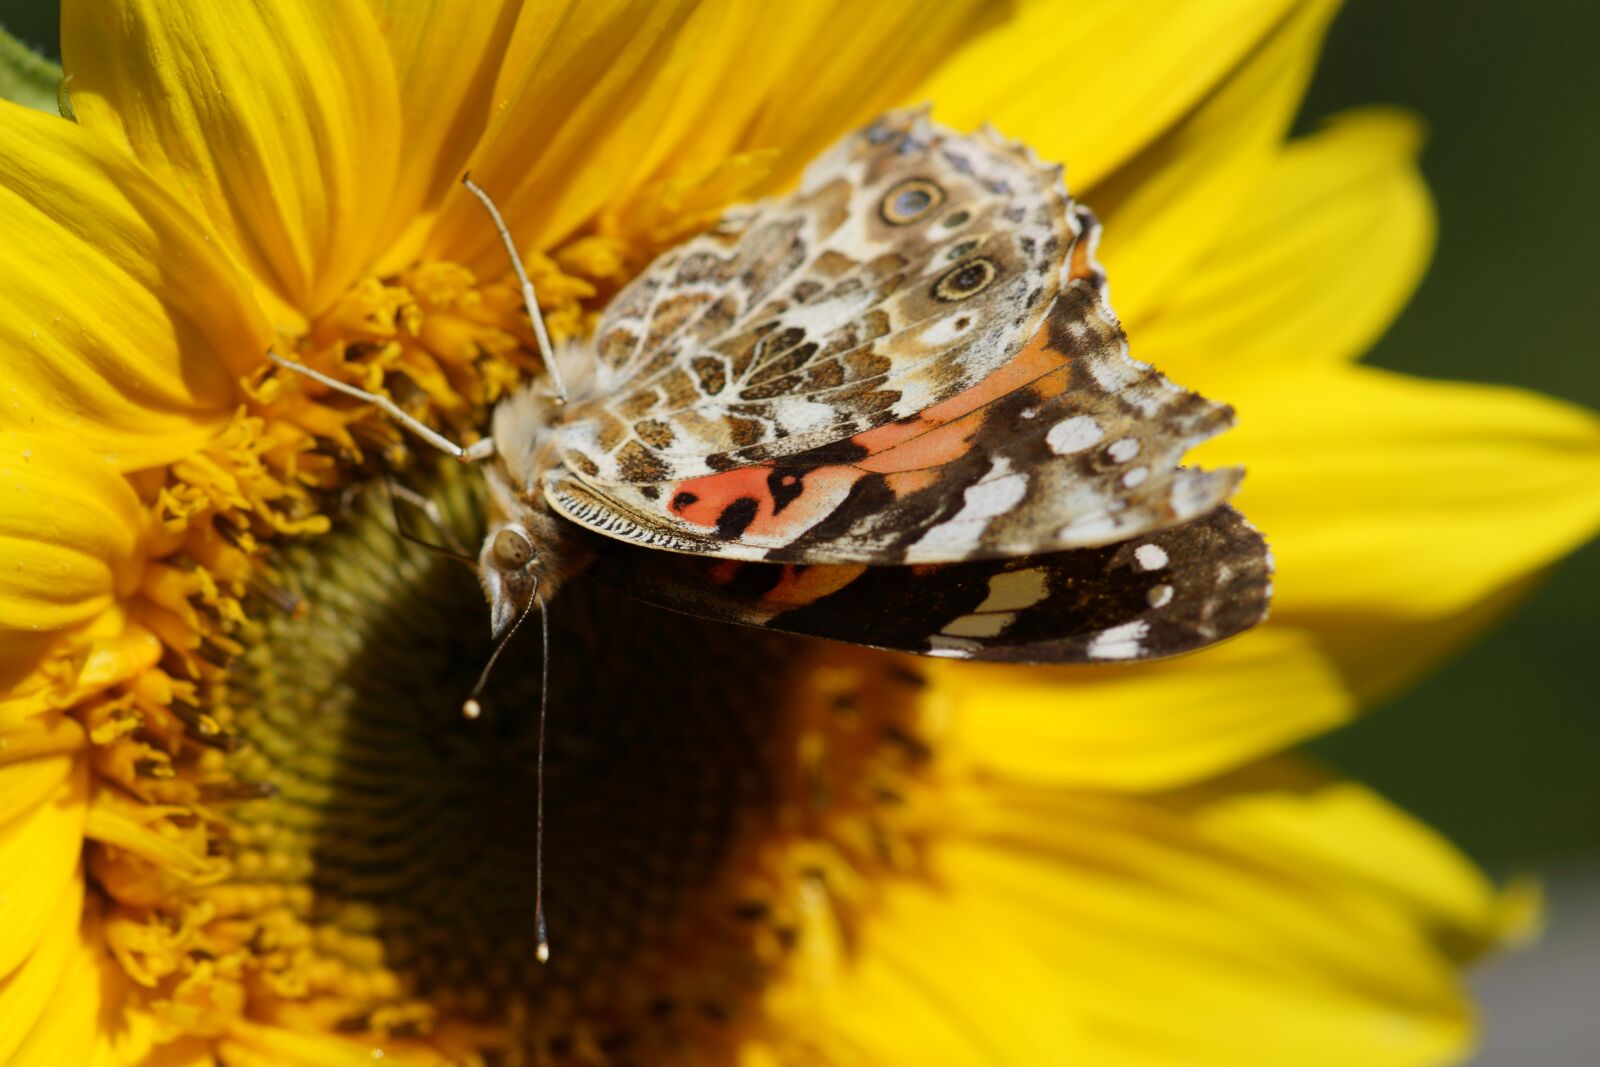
point(239, 821)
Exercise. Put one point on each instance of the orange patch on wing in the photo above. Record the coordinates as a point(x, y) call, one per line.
point(1082, 265)
point(907, 451)
point(1036, 360)
point(703, 500)
point(904, 483)
point(1053, 384)
point(934, 448)
point(805, 585)
point(723, 571)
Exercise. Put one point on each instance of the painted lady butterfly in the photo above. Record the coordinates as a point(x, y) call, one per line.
point(892, 408)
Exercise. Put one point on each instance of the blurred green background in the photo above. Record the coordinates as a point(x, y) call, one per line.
point(1501, 749)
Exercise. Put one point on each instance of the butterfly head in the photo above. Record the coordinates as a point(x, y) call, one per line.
point(527, 554)
point(508, 567)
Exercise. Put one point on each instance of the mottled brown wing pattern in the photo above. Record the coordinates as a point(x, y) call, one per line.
point(1173, 592)
point(910, 263)
point(1070, 443)
point(910, 360)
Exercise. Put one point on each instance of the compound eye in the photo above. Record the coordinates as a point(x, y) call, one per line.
point(512, 550)
point(909, 201)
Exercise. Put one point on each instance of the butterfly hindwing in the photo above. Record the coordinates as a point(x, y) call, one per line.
point(985, 428)
point(1175, 591)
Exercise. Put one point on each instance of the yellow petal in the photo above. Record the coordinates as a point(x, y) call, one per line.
point(50, 670)
point(931, 978)
point(599, 99)
point(1174, 930)
point(1378, 654)
point(1133, 727)
point(806, 74)
point(69, 534)
point(585, 87)
point(1395, 497)
point(1338, 832)
point(26, 990)
point(74, 1021)
point(1170, 204)
point(848, 62)
point(279, 121)
point(40, 845)
point(1321, 257)
point(1405, 516)
point(1093, 84)
point(32, 667)
point(27, 783)
point(97, 1017)
point(446, 59)
point(124, 327)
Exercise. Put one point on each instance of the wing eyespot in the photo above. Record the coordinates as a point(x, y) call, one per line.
point(910, 201)
point(966, 280)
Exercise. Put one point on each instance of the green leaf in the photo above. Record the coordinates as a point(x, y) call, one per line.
point(26, 77)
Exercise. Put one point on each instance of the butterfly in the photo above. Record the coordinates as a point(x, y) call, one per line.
point(894, 408)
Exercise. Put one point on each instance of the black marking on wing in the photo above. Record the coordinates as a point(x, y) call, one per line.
point(1159, 595)
point(736, 517)
point(785, 485)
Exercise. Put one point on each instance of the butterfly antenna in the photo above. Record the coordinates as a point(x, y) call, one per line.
point(542, 950)
point(529, 299)
point(479, 450)
point(471, 708)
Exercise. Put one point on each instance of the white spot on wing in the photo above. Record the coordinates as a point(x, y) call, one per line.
point(1120, 642)
point(1151, 557)
point(1136, 477)
point(1093, 529)
point(797, 415)
point(952, 647)
point(1159, 596)
point(996, 493)
point(1192, 493)
point(979, 625)
point(1015, 590)
point(1072, 435)
point(1118, 374)
point(1123, 450)
point(946, 331)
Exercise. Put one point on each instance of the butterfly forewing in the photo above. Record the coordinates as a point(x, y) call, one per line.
point(909, 264)
point(910, 360)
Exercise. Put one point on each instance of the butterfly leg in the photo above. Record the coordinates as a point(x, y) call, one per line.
point(529, 300)
point(452, 546)
point(482, 449)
